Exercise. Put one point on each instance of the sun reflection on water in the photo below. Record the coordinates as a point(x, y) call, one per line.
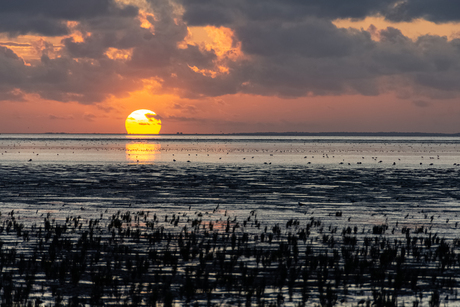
point(142, 152)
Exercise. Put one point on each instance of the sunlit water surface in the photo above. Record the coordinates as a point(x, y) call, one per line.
point(236, 150)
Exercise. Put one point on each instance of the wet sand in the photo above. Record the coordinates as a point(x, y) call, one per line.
point(224, 234)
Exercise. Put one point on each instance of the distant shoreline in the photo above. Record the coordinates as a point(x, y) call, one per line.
point(376, 134)
point(348, 134)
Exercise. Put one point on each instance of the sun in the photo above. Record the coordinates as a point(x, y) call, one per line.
point(143, 122)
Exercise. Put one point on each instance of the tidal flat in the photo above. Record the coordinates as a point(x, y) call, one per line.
point(228, 235)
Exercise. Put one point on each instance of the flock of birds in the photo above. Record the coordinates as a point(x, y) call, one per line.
point(195, 152)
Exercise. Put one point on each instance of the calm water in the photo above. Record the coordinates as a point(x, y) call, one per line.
point(399, 182)
point(440, 152)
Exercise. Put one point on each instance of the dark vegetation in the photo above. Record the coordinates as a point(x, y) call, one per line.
point(134, 258)
point(347, 237)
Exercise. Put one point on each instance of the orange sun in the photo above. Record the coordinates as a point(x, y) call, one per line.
point(143, 122)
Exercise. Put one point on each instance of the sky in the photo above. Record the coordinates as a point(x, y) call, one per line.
point(230, 66)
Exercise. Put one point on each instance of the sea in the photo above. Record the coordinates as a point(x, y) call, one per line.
point(339, 185)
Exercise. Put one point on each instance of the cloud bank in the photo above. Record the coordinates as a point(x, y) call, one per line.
point(277, 48)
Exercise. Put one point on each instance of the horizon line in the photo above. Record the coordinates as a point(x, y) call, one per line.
point(381, 133)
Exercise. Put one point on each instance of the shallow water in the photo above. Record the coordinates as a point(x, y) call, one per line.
point(277, 179)
point(241, 150)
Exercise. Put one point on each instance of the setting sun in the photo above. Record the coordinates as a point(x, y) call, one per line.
point(143, 122)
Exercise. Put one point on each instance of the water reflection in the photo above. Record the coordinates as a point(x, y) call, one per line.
point(142, 152)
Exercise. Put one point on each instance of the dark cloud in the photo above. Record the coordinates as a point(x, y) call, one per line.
point(295, 50)
point(221, 12)
point(353, 63)
point(439, 11)
point(312, 38)
point(190, 109)
point(11, 95)
point(229, 13)
point(64, 79)
point(48, 17)
point(13, 70)
point(291, 49)
point(15, 24)
point(152, 117)
point(421, 103)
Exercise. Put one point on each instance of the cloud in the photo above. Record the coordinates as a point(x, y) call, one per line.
point(288, 49)
point(186, 108)
point(225, 13)
point(421, 103)
point(436, 11)
point(228, 13)
point(55, 117)
point(152, 117)
point(12, 72)
point(314, 38)
point(12, 44)
point(48, 17)
point(12, 95)
point(89, 117)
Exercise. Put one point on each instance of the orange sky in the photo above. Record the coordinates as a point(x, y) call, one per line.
point(218, 81)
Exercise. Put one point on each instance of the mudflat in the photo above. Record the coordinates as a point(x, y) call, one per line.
point(223, 234)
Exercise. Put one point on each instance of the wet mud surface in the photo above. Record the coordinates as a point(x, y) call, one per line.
point(228, 235)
